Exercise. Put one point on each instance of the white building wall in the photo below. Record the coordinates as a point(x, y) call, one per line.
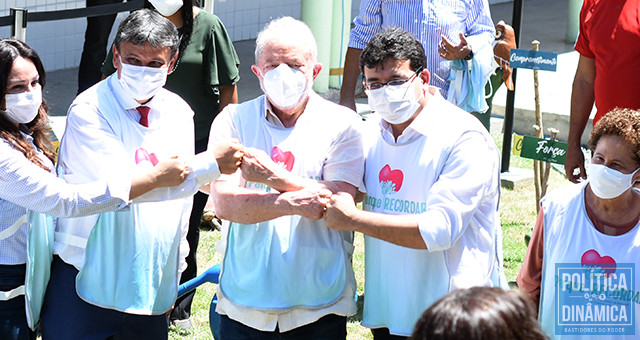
point(59, 43)
point(245, 18)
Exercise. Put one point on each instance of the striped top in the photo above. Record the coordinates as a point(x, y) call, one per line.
point(25, 186)
point(427, 20)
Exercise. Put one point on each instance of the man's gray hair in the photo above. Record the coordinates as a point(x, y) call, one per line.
point(146, 25)
point(290, 30)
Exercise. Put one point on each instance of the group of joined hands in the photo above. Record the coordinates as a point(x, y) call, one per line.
point(306, 197)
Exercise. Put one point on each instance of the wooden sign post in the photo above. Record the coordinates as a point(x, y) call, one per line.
point(547, 61)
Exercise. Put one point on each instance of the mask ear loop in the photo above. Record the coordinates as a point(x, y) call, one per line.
point(637, 181)
point(487, 95)
point(414, 76)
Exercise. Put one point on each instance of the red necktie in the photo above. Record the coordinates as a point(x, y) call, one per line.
point(144, 115)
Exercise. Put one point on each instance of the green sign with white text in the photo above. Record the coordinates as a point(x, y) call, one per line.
point(539, 149)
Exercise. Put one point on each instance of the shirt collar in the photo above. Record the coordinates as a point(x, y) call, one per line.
point(271, 117)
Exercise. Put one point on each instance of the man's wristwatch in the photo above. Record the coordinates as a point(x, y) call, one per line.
point(469, 56)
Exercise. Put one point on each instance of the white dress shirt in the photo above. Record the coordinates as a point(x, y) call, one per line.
point(445, 169)
point(101, 137)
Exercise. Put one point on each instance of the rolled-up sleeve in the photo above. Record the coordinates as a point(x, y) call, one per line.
point(479, 26)
point(345, 161)
point(466, 181)
point(366, 24)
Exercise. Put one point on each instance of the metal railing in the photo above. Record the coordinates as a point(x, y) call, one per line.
point(19, 17)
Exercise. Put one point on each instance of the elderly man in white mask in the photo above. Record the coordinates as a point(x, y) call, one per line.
point(284, 271)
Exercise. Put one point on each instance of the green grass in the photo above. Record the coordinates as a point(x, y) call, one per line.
point(207, 257)
point(517, 216)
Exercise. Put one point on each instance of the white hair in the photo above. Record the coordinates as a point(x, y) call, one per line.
point(290, 30)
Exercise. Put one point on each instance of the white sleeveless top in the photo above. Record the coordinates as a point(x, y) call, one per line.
point(589, 279)
point(290, 261)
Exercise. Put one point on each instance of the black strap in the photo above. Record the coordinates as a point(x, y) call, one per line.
point(92, 11)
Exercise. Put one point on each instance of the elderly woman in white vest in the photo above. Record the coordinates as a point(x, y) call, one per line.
point(581, 267)
point(29, 184)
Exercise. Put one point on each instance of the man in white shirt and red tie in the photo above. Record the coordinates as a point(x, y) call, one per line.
point(115, 275)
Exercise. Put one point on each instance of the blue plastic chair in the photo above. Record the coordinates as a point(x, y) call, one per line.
point(210, 275)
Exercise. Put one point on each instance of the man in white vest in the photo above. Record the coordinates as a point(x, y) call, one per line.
point(284, 272)
point(115, 275)
point(430, 217)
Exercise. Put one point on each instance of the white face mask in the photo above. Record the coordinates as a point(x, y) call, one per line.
point(166, 7)
point(607, 183)
point(285, 86)
point(142, 82)
point(23, 107)
point(394, 103)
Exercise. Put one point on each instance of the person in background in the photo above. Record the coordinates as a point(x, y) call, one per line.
point(450, 31)
point(285, 274)
point(432, 178)
point(592, 229)
point(205, 77)
point(29, 182)
point(480, 313)
point(607, 73)
point(115, 275)
point(94, 50)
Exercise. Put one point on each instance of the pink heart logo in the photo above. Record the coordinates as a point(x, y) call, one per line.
point(592, 258)
point(390, 180)
point(285, 159)
point(153, 158)
point(143, 155)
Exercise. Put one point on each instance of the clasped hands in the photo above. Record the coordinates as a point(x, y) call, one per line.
point(306, 197)
point(174, 170)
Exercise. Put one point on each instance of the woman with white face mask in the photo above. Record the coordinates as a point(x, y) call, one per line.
point(592, 230)
point(29, 183)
